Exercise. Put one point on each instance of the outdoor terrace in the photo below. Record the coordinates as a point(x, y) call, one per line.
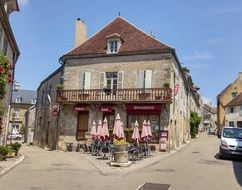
point(117, 95)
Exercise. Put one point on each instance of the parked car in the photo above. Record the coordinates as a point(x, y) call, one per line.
point(231, 142)
point(15, 136)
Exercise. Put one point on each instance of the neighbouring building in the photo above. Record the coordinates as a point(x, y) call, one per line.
point(209, 116)
point(22, 100)
point(9, 48)
point(223, 98)
point(233, 116)
point(120, 69)
point(29, 125)
point(46, 124)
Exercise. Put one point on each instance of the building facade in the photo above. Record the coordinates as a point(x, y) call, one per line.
point(9, 48)
point(121, 69)
point(22, 100)
point(233, 116)
point(209, 116)
point(46, 124)
point(228, 94)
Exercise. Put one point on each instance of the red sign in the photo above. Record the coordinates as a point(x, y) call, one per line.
point(143, 108)
point(176, 89)
point(55, 110)
point(106, 109)
point(80, 108)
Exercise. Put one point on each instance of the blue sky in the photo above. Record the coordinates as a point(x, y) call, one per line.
point(206, 35)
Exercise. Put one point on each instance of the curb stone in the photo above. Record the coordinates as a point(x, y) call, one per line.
point(9, 168)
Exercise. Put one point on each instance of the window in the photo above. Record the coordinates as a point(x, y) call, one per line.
point(5, 46)
point(113, 45)
point(85, 80)
point(231, 123)
point(145, 79)
point(231, 110)
point(33, 101)
point(234, 94)
point(18, 99)
point(111, 80)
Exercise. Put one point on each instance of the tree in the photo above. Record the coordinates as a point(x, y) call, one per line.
point(194, 124)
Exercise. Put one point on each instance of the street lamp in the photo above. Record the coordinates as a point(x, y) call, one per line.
point(15, 88)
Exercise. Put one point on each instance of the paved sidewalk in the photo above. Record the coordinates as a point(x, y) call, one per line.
point(104, 168)
point(6, 166)
point(101, 165)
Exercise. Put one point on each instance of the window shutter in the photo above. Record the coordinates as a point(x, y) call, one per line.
point(87, 80)
point(81, 80)
point(120, 79)
point(148, 78)
point(141, 79)
point(102, 80)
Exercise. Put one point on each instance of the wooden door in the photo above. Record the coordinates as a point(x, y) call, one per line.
point(82, 126)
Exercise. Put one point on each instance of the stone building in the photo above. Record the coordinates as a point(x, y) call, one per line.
point(209, 116)
point(22, 100)
point(46, 124)
point(9, 48)
point(233, 116)
point(224, 97)
point(120, 69)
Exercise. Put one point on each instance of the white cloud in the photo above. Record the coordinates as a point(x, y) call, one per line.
point(215, 40)
point(198, 56)
point(23, 2)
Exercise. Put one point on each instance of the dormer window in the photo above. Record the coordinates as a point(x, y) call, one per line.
point(113, 43)
point(113, 46)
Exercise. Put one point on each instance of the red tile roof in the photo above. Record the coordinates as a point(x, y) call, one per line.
point(237, 101)
point(133, 40)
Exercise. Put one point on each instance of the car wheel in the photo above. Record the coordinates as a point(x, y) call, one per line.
point(18, 138)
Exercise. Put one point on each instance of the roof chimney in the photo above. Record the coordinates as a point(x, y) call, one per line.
point(81, 33)
point(240, 76)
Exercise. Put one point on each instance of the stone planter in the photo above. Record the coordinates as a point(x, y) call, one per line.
point(121, 157)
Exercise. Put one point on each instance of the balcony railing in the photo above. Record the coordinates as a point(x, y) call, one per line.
point(118, 95)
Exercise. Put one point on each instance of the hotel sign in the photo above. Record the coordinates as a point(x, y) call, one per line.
point(139, 107)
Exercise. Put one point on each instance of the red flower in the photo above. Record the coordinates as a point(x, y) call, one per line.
point(10, 80)
point(9, 75)
point(1, 70)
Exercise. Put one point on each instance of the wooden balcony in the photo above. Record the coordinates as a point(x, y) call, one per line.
point(119, 95)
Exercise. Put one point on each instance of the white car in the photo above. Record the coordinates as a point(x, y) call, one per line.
point(15, 136)
point(231, 142)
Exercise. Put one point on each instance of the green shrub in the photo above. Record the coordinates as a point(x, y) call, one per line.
point(15, 147)
point(194, 124)
point(3, 152)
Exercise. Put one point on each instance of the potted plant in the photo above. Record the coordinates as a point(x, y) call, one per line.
point(3, 152)
point(59, 86)
point(15, 147)
point(166, 85)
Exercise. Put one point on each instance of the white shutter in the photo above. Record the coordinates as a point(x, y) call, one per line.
point(87, 79)
point(148, 78)
point(102, 80)
point(81, 80)
point(120, 79)
point(141, 79)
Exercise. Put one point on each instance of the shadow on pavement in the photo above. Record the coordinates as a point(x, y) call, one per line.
point(237, 166)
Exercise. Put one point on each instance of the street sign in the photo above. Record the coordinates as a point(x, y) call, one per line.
point(55, 110)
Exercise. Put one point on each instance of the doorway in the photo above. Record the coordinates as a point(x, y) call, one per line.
point(82, 125)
